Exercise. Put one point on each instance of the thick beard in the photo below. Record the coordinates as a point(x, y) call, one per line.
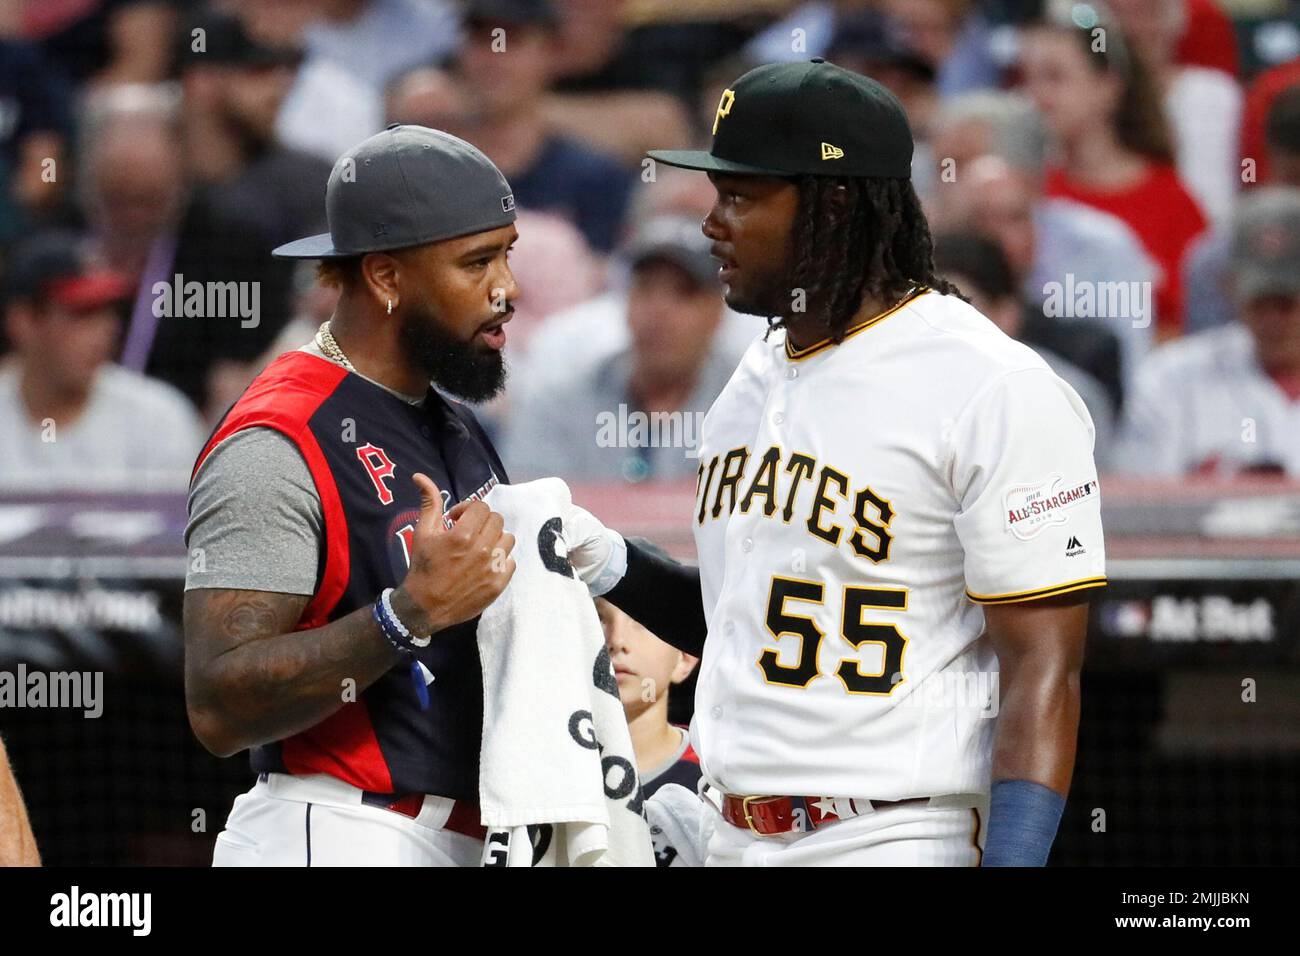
point(456, 366)
point(773, 302)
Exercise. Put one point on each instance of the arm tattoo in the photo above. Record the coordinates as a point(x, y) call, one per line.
point(250, 678)
point(249, 619)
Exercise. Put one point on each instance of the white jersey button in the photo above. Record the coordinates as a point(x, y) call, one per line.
point(747, 544)
point(792, 372)
point(729, 628)
point(716, 712)
point(778, 418)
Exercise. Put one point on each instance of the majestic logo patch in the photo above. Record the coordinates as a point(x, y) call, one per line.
point(1074, 547)
point(831, 152)
point(724, 107)
point(1032, 507)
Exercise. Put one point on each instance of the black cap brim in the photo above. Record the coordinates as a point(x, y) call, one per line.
point(311, 247)
point(704, 160)
point(322, 246)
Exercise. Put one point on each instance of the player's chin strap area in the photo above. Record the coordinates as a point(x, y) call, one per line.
point(1023, 819)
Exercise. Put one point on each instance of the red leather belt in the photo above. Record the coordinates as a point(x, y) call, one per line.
point(768, 816)
point(464, 816)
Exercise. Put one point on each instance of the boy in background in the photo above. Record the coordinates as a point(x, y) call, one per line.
point(645, 668)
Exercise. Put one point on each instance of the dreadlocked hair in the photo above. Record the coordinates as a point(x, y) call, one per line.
point(874, 240)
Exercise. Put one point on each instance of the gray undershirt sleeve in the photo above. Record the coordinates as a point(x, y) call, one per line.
point(256, 522)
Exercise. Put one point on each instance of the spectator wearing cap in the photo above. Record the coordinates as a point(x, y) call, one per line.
point(1116, 151)
point(991, 149)
point(1227, 400)
point(69, 417)
point(634, 414)
point(503, 89)
point(980, 268)
point(1209, 303)
point(233, 87)
point(596, 328)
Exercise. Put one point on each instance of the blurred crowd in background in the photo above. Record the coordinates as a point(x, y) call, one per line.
point(1116, 185)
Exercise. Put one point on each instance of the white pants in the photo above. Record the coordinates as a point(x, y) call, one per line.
point(320, 821)
point(935, 834)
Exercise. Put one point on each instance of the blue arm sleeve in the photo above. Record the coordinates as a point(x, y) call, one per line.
point(1023, 818)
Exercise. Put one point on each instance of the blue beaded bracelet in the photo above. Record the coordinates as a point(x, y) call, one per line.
point(397, 633)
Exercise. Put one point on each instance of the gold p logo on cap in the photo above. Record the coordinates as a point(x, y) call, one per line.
point(724, 107)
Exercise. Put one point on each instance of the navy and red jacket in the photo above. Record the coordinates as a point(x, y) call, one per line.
point(362, 445)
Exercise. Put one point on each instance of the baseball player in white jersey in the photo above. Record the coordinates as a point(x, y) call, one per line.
point(897, 518)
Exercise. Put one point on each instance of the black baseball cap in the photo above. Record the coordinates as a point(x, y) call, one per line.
point(870, 36)
point(56, 265)
point(406, 186)
point(793, 119)
point(519, 12)
point(225, 42)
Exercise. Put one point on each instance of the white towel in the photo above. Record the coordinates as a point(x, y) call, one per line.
point(557, 779)
point(681, 824)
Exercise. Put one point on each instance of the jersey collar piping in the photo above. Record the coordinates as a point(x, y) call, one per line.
point(798, 355)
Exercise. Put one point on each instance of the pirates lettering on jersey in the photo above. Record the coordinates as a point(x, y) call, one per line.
point(846, 566)
point(871, 514)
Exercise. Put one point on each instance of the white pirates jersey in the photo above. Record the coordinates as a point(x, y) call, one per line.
point(855, 505)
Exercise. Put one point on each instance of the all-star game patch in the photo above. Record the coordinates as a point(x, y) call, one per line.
point(1030, 508)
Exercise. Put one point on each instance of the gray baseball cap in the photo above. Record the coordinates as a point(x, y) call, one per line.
point(1266, 242)
point(676, 239)
point(406, 186)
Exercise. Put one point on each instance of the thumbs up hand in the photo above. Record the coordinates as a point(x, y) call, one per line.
point(460, 563)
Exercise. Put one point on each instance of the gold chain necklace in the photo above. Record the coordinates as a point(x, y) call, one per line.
point(326, 343)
